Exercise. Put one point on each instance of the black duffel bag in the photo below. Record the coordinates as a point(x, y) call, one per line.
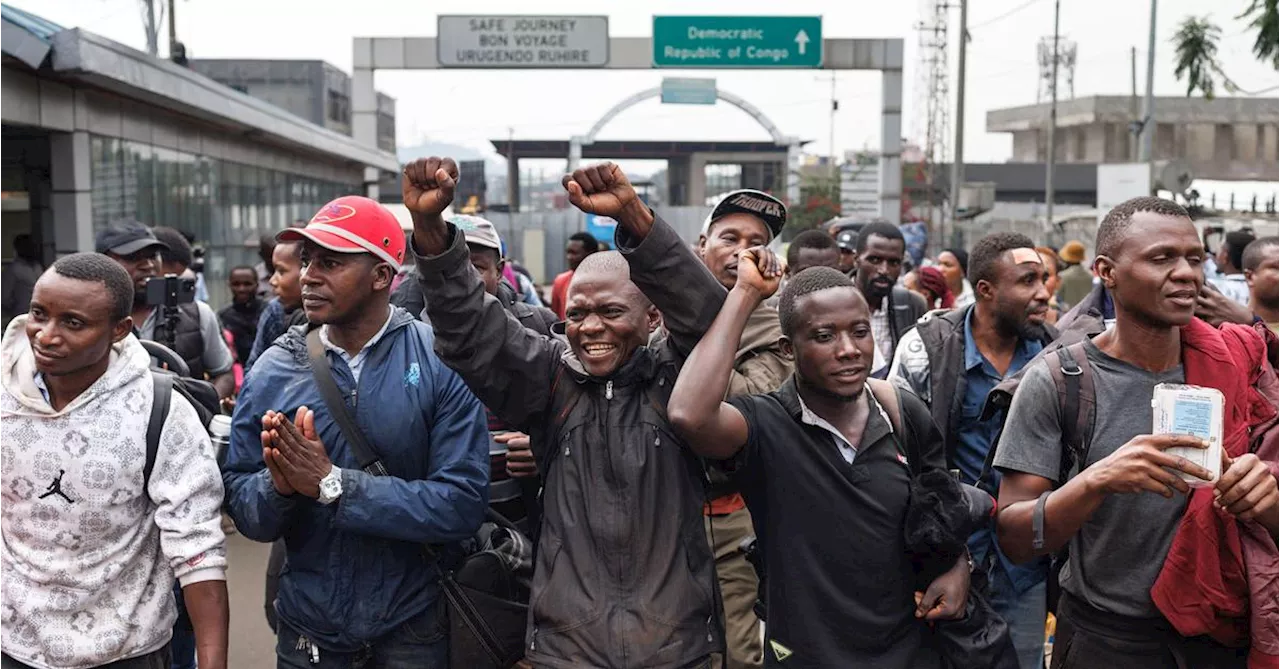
point(488, 594)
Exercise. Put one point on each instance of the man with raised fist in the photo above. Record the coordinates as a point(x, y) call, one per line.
point(624, 575)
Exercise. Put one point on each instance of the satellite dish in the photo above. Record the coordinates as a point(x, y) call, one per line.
point(1174, 176)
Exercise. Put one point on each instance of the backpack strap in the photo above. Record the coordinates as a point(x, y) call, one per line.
point(1073, 376)
point(162, 394)
point(885, 393)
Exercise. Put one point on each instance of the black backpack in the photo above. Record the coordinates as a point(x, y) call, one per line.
point(200, 394)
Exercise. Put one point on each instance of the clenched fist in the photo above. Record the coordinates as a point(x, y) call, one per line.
point(428, 185)
point(760, 271)
point(600, 189)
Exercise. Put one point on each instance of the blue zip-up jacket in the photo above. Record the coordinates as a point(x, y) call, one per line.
point(356, 568)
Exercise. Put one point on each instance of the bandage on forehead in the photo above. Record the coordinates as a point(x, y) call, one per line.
point(1026, 255)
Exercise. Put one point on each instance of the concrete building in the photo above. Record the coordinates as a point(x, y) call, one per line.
point(311, 89)
point(95, 131)
point(1227, 139)
point(758, 165)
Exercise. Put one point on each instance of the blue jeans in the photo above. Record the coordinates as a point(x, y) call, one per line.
point(420, 643)
point(1025, 613)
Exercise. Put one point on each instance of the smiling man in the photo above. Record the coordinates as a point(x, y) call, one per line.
point(823, 477)
point(952, 360)
point(624, 576)
point(1144, 548)
point(357, 592)
point(894, 309)
point(92, 541)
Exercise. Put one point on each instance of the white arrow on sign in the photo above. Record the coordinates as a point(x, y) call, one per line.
point(802, 38)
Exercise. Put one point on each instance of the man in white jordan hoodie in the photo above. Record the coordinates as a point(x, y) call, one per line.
point(89, 555)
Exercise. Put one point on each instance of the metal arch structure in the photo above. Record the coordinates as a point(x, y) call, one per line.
point(884, 55)
point(791, 143)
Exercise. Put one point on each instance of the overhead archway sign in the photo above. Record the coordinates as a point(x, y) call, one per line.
point(522, 41)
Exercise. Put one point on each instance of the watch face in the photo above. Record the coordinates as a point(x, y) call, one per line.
point(330, 488)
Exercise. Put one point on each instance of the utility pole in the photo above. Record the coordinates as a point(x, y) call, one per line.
point(150, 27)
point(1148, 107)
point(1053, 127)
point(957, 161)
point(513, 175)
point(831, 131)
point(1133, 100)
point(173, 32)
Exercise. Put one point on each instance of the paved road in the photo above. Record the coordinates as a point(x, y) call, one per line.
point(252, 645)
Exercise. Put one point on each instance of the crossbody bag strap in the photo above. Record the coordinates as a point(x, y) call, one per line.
point(323, 375)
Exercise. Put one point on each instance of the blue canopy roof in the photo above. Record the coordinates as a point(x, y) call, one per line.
point(27, 37)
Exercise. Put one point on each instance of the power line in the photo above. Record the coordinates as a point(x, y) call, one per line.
point(1003, 16)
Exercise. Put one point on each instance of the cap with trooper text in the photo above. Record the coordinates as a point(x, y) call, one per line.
point(762, 205)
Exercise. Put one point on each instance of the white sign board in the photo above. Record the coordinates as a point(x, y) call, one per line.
point(522, 41)
point(860, 190)
point(1119, 182)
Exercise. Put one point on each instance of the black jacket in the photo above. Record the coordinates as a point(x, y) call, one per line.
point(930, 363)
point(624, 574)
point(242, 321)
point(905, 308)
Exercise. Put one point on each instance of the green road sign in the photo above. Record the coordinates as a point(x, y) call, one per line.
point(737, 41)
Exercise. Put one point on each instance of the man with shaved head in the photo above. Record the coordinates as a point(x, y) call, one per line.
point(624, 576)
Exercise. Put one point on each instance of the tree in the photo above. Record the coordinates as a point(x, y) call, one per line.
point(1196, 52)
point(819, 203)
point(1264, 20)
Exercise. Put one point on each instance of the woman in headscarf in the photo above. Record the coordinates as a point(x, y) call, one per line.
point(932, 286)
point(954, 264)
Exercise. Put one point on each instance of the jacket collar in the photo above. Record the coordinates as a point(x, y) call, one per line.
point(295, 339)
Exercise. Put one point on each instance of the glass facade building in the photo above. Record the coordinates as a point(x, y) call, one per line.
point(227, 206)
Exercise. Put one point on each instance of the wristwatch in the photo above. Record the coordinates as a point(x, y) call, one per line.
point(331, 486)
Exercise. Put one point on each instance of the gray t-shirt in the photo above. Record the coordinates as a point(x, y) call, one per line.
point(1125, 541)
point(217, 356)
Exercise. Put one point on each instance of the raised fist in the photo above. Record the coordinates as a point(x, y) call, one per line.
point(600, 189)
point(760, 270)
point(428, 185)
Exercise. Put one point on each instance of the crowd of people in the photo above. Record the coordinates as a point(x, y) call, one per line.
point(847, 456)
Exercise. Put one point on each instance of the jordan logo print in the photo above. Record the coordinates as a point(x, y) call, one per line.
point(55, 488)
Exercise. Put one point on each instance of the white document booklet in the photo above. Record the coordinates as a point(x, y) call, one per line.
point(1193, 410)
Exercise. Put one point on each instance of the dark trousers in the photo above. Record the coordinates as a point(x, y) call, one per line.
point(420, 643)
point(1087, 638)
point(155, 660)
point(275, 564)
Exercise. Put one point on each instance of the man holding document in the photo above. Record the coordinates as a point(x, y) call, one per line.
point(1153, 580)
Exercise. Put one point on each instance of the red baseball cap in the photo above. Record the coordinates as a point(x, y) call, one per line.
point(353, 224)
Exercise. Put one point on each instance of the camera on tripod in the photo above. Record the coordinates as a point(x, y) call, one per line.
point(167, 293)
point(170, 290)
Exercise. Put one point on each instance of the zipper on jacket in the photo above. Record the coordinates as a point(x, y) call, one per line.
point(710, 637)
point(533, 644)
point(608, 390)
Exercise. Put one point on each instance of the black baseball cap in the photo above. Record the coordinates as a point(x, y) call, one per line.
point(762, 205)
point(847, 240)
point(126, 238)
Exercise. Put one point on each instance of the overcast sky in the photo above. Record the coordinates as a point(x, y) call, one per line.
point(469, 106)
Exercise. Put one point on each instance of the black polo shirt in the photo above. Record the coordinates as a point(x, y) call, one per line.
point(840, 586)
